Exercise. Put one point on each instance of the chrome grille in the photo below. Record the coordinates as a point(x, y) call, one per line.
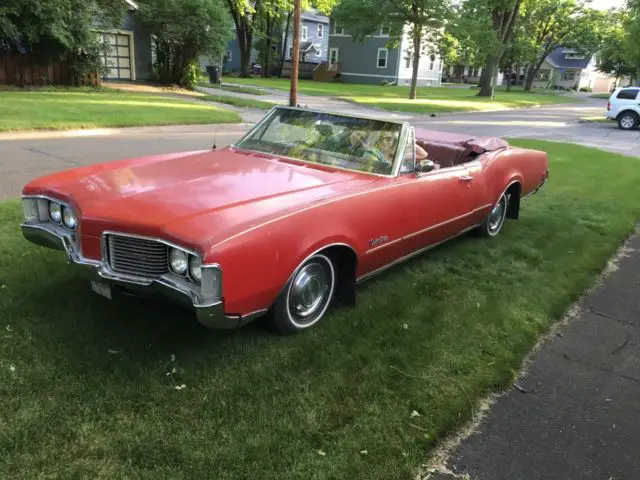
point(137, 256)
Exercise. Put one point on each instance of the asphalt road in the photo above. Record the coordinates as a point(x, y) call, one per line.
point(22, 160)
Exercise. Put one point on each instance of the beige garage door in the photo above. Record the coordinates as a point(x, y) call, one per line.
point(117, 56)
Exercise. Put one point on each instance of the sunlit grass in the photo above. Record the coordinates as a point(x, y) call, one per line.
point(430, 99)
point(68, 109)
point(238, 101)
point(88, 385)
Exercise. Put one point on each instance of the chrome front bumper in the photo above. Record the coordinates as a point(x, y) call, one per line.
point(210, 314)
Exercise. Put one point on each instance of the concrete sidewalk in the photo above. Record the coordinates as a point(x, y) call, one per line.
point(576, 412)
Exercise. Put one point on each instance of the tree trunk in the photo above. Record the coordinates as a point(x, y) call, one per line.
point(244, 44)
point(284, 45)
point(295, 55)
point(638, 77)
point(508, 72)
point(267, 53)
point(417, 43)
point(486, 78)
point(531, 75)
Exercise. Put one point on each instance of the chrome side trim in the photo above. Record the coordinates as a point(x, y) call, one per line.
point(432, 227)
point(377, 271)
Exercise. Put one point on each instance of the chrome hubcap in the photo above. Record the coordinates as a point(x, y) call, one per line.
point(310, 291)
point(627, 122)
point(497, 215)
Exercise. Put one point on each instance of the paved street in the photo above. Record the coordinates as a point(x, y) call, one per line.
point(21, 160)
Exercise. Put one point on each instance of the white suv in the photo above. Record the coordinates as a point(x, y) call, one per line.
point(624, 106)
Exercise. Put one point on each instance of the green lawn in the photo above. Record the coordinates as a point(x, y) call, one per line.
point(88, 386)
point(68, 109)
point(430, 100)
point(238, 101)
point(234, 88)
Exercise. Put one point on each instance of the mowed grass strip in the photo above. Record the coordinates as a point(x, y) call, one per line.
point(429, 99)
point(88, 385)
point(68, 109)
point(238, 101)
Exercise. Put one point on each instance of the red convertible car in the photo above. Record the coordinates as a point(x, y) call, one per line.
point(295, 214)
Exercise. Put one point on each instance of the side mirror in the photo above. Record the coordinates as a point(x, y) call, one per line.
point(424, 166)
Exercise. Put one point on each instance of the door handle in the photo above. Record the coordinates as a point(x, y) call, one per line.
point(466, 178)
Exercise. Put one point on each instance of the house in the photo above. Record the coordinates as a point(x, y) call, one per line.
point(569, 68)
point(314, 37)
point(373, 61)
point(128, 56)
point(460, 73)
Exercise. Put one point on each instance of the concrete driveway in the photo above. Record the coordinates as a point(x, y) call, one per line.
point(22, 160)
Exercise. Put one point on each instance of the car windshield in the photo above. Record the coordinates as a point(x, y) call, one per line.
point(359, 144)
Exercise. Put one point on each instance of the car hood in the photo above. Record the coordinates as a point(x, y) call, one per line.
point(195, 198)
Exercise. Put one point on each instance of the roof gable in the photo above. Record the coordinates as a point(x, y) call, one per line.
point(558, 58)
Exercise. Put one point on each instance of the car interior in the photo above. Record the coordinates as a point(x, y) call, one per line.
point(448, 150)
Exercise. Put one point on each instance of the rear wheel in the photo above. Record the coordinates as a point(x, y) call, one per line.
point(493, 224)
point(306, 297)
point(628, 121)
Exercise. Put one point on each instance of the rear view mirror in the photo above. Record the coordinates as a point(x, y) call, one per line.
point(424, 166)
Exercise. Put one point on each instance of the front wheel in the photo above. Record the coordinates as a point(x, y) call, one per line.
point(306, 297)
point(628, 121)
point(493, 224)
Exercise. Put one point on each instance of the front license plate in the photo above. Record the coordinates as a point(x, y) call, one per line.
point(103, 289)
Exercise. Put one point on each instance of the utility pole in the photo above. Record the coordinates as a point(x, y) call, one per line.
point(295, 55)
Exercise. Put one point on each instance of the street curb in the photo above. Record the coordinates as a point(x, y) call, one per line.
point(103, 132)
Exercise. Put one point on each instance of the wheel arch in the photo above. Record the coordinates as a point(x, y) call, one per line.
point(627, 110)
point(345, 259)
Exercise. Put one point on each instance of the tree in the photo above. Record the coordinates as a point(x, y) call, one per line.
point(550, 24)
point(632, 40)
point(421, 20)
point(182, 31)
point(613, 58)
point(59, 30)
point(242, 12)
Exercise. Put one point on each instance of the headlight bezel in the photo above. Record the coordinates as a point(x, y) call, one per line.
point(37, 209)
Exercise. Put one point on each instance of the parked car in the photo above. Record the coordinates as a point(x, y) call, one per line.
point(624, 107)
point(295, 214)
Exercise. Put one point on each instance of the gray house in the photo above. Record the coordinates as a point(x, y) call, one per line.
point(372, 61)
point(314, 37)
point(128, 55)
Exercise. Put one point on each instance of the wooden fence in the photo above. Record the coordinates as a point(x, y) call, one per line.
point(23, 70)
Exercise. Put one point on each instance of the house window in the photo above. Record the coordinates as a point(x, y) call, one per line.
point(384, 30)
point(382, 58)
point(290, 53)
point(334, 56)
point(574, 56)
point(338, 29)
point(432, 62)
point(320, 30)
point(543, 74)
point(228, 56)
point(304, 33)
point(569, 76)
point(407, 62)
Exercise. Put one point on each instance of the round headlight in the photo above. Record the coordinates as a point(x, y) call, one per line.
point(195, 268)
point(178, 261)
point(55, 212)
point(68, 218)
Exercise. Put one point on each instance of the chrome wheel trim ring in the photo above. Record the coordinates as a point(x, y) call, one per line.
point(496, 217)
point(310, 291)
point(627, 122)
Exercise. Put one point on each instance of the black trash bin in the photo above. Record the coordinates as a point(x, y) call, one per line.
point(214, 73)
